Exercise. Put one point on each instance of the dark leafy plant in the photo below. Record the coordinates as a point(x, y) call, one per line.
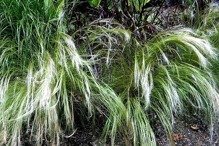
point(137, 4)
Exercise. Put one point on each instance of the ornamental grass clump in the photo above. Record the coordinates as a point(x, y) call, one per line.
point(41, 72)
point(168, 76)
point(43, 76)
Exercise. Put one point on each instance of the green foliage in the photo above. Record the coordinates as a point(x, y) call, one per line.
point(41, 71)
point(43, 75)
point(94, 3)
point(167, 75)
point(138, 4)
point(210, 28)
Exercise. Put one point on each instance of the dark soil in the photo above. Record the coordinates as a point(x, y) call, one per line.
point(192, 132)
point(187, 133)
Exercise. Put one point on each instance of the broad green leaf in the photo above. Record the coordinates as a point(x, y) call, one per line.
point(94, 3)
point(138, 4)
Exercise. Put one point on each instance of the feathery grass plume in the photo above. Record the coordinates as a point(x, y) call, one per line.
point(48, 88)
point(35, 100)
point(209, 25)
point(141, 129)
point(172, 47)
point(175, 70)
point(210, 29)
point(211, 19)
point(41, 72)
point(169, 75)
point(127, 117)
point(104, 35)
point(212, 24)
point(111, 105)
